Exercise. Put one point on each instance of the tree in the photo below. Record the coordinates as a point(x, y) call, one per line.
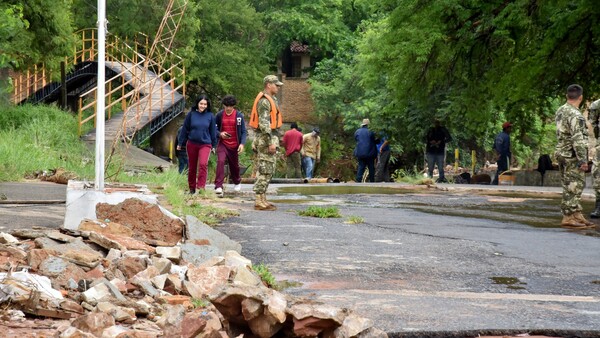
point(33, 32)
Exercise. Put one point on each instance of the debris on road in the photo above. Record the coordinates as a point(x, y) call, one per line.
point(125, 274)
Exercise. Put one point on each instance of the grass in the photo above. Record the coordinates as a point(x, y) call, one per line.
point(355, 220)
point(200, 303)
point(37, 138)
point(265, 274)
point(321, 212)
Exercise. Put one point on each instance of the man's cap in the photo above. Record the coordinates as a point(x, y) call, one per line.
point(506, 125)
point(294, 125)
point(365, 122)
point(272, 79)
point(595, 105)
point(317, 130)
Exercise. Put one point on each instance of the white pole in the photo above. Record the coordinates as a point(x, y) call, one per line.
point(100, 114)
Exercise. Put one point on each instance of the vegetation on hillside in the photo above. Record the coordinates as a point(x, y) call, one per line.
point(400, 63)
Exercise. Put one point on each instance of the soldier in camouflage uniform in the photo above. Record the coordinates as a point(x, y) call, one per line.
point(594, 118)
point(266, 121)
point(572, 155)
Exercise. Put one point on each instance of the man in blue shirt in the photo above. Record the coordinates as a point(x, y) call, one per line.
point(502, 149)
point(365, 151)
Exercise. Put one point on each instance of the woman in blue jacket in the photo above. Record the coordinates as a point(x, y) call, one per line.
point(199, 136)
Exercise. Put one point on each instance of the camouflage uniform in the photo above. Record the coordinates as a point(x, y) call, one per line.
point(264, 137)
point(594, 118)
point(571, 152)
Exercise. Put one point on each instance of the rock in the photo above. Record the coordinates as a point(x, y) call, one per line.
point(137, 253)
point(312, 326)
point(246, 276)
point(234, 259)
point(121, 243)
point(264, 326)
point(35, 257)
point(175, 299)
point(170, 321)
point(58, 236)
point(113, 254)
point(119, 313)
point(213, 261)
point(173, 284)
point(251, 308)
point(28, 233)
point(163, 265)
point(75, 246)
point(94, 323)
point(102, 292)
point(146, 286)
point(352, 326)
point(322, 311)
point(130, 266)
point(60, 271)
point(159, 281)
point(198, 230)
point(372, 333)
point(7, 238)
point(13, 252)
point(95, 273)
point(105, 228)
point(205, 281)
point(192, 324)
point(172, 253)
point(82, 258)
point(71, 306)
point(147, 274)
point(276, 305)
point(73, 332)
point(113, 331)
point(138, 334)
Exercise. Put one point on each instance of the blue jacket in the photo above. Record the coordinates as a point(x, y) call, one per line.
point(240, 125)
point(502, 144)
point(199, 128)
point(365, 143)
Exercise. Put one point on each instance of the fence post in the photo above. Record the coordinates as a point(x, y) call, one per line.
point(455, 160)
point(473, 161)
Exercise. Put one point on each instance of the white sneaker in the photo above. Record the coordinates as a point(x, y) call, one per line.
point(237, 187)
point(219, 191)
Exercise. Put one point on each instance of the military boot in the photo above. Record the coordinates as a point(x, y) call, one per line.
point(264, 196)
point(579, 216)
point(596, 212)
point(571, 222)
point(261, 203)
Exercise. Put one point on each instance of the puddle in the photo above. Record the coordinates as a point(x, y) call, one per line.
point(512, 283)
point(344, 190)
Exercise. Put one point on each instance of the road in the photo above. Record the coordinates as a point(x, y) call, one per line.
point(425, 260)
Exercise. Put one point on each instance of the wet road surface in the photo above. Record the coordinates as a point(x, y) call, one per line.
point(431, 260)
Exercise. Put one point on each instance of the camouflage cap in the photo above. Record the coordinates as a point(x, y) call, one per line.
point(272, 79)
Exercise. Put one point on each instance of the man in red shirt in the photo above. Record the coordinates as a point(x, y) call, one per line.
point(292, 141)
point(231, 130)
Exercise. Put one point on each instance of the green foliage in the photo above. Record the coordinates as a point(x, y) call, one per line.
point(265, 274)
point(200, 303)
point(35, 31)
point(320, 212)
point(38, 138)
point(355, 220)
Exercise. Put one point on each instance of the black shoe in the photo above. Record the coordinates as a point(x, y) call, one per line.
point(192, 191)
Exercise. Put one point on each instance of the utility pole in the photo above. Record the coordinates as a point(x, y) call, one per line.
point(100, 114)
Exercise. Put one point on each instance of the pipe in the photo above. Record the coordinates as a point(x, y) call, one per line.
point(251, 180)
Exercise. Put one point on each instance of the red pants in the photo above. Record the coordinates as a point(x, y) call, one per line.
point(230, 156)
point(198, 162)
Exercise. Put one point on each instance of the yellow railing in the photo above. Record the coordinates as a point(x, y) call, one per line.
point(128, 89)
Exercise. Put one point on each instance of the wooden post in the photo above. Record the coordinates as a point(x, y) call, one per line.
point(456, 160)
point(473, 161)
point(80, 113)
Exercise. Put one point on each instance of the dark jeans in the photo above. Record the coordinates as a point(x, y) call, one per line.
point(436, 159)
point(366, 163)
point(294, 165)
point(502, 167)
point(182, 159)
point(230, 156)
point(382, 170)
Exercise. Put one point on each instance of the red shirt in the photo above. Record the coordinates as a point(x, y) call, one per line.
point(292, 139)
point(228, 126)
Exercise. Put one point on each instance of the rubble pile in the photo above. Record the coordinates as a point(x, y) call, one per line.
point(109, 279)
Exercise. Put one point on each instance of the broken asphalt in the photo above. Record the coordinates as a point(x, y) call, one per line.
point(448, 261)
